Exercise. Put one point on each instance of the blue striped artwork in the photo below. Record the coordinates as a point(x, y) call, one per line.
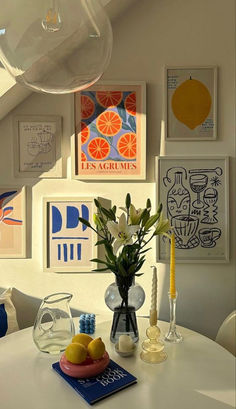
point(70, 241)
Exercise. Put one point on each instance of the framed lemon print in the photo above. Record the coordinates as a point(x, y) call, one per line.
point(191, 103)
point(110, 132)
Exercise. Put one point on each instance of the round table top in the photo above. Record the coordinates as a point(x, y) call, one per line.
point(198, 373)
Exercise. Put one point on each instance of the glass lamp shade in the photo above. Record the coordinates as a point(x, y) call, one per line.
point(55, 46)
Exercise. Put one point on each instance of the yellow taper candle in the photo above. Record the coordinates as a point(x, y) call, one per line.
point(172, 267)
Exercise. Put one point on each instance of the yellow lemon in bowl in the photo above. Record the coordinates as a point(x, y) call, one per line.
point(96, 348)
point(76, 353)
point(82, 338)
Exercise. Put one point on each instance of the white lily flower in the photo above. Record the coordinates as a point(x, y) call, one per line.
point(135, 214)
point(162, 226)
point(122, 232)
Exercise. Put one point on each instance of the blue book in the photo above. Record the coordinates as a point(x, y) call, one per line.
point(111, 380)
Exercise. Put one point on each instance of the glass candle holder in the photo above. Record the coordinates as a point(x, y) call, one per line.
point(152, 348)
point(172, 335)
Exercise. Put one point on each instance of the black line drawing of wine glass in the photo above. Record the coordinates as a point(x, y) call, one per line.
point(198, 183)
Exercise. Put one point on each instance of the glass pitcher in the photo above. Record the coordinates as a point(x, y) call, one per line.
point(54, 328)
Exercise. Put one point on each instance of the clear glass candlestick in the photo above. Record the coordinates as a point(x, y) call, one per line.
point(173, 335)
point(153, 349)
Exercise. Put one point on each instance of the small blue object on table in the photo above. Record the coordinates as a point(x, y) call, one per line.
point(87, 323)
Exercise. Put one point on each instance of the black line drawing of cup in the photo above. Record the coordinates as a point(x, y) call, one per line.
point(185, 228)
point(208, 236)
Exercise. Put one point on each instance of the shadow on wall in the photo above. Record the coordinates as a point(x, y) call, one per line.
point(27, 307)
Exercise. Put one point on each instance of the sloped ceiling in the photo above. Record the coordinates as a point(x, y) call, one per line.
point(12, 94)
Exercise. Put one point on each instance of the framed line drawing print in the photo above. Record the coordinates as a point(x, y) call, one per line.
point(190, 103)
point(69, 245)
point(110, 132)
point(12, 222)
point(37, 146)
point(194, 194)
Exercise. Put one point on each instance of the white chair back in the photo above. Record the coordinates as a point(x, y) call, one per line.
point(226, 335)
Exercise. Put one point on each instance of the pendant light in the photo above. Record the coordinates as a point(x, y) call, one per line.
point(55, 46)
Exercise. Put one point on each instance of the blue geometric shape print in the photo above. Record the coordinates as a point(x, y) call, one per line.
point(3, 321)
point(70, 241)
point(56, 219)
point(72, 217)
point(85, 215)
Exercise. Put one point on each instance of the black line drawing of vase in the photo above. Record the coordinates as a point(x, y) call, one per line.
point(185, 228)
point(178, 196)
point(210, 198)
point(198, 183)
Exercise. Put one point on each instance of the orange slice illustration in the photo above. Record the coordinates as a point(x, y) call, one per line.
point(109, 98)
point(130, 103)
point(87, 106)
point(83, 157)
point(127, 145)
point(98, 148)
point(84, 133)
point(109, 123)
point(191, 103)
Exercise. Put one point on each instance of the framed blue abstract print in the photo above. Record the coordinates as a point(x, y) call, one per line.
point(69, 245)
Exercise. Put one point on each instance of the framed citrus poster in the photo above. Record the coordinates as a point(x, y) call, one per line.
point(110, 132)
point(190, 103)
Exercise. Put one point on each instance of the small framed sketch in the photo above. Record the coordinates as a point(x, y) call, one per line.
point(37, 146)
point(68, 244)
point(12, 222)
point(195, 198)
point(110, 132)
point(190, 103)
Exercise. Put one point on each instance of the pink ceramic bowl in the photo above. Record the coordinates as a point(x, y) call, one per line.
point(87, 369)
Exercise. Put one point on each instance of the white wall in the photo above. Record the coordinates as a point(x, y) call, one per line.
point(153, 33)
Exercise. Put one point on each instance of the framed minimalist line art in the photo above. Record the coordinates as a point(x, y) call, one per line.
point(195, 197)
point(37, 146)
point(12, 222)
point(110, 132)
point(68, 244)
point(190, 108)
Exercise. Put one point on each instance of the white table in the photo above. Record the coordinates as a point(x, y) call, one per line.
point(198, 374)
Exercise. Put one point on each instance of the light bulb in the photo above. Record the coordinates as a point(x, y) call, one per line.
point(55, 46)
point(52, 19)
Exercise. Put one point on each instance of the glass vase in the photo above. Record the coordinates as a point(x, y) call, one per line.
point(124, 297)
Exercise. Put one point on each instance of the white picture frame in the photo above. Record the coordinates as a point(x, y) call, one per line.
point(115, 163)
point(195, 197)
point(68, 245)
point(13, 222)
point(37, 146)
point(190, 103)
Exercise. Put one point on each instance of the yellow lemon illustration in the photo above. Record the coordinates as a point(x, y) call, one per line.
point(82, 338)
point(96, 348)
point(76, 353)
point(191, 103)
